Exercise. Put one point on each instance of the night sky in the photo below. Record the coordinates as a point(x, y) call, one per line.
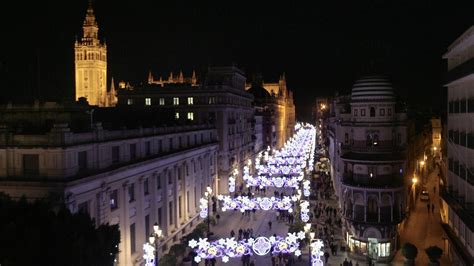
point(322, 47)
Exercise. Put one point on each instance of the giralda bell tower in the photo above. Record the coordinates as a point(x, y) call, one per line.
point(91, 63)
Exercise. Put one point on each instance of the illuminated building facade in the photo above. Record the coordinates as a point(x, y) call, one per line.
point(130, 177)
point(367, 136)
point(221, 100)
point(457, 192)
point(91, 65)
point(278, 99)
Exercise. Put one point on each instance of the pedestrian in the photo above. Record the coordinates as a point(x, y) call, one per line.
point(252, 263)
point(345, 263)
point(218, 217)
point(232, 233)
point(350, 263)
point(428, 206)
point(270, 225)
point(432, 208)
point(326, 256)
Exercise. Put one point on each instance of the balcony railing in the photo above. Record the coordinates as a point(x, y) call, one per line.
point(460, 71)
point(376, 182)
point(464, 210)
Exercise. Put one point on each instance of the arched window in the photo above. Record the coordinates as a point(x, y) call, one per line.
point(372, 111)
point(346, 138)
point(372, 206)
point(375, 140)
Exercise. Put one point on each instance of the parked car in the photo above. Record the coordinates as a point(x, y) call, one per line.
point(425, 195)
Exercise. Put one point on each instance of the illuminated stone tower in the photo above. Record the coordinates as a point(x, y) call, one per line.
point(91, 63)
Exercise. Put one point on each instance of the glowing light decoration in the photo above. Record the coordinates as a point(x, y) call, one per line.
point(261, 246)
point(149, 254)
point(226, 248)
point(231, 184)
point(203, 203)
point(306, 188)
point(304, 205)
point(317, 253)
point(244, 203)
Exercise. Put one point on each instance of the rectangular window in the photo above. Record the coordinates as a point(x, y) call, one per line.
point(190, 115)
point(162, 101)
point(175, 101)
point(133, 151)
point(115, 154)
point(145, 186)
point(362, 112)
point(83, 207)
point(114, 199)
point(462, 139)
point(451, 135)
point(170, 208)
point(355, 112)
point(389, 111)
point(148, 101)
point(132, 238)
point(158, 181)
point(31, 164)
point(212, 100)
point(456, 106)
point(171, 143)
point(148, 148)
point(160, 146)
point(470, 105)
point(187, 201)
point(190, 101)
point(176, 115)
point(382, 112)
point(451, 107)
point(180, 209)
point(82, 160)
point(131, 192)
point(129, 101)
point(462, 106)
point(170, 178)
point(147, 225)
point(470, 140)
point(160, 215)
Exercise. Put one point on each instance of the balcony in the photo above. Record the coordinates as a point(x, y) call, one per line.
point(377, 182)
point(465, 211)
point(460, 71)
point(373, 217)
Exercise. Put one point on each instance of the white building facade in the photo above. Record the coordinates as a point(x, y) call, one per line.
point(457, 210)
point(367, 140)
point(129, 177)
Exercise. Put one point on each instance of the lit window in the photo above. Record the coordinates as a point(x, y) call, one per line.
point(191, 116)
point(176, 115)
point(212, 100)
point(162, 101)
point(190, 101)
point(175, 101)
point(147, 101)
point(129, 101)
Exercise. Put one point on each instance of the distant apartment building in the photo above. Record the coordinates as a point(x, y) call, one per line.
point(131, 177)
point(457, 193)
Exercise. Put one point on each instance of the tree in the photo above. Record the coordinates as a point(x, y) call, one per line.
point(434, 253)
point(410, 252)
point(44, 233)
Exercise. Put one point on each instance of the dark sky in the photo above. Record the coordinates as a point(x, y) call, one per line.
point(322, 47)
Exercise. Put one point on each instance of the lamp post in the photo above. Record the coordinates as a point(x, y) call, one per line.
point(208, 195)
point(154, 239)
point(414, 180)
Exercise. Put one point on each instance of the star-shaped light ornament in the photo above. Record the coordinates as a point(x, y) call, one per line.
point(301, 235)
point(192, 243)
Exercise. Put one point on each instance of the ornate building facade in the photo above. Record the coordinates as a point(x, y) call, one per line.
point(91, 65)
point(367, 136)
point(279, 100)
point(180, 79)
point(457, 192)
point(131, 177)
point(220, 100)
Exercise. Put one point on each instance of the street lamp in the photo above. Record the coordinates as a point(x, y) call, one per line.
point(208, 194)
point(154, 239)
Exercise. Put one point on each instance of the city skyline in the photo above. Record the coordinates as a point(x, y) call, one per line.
point(321, 49)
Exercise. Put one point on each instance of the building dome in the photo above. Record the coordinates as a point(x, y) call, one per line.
point(259, 92)
point(372, 88)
